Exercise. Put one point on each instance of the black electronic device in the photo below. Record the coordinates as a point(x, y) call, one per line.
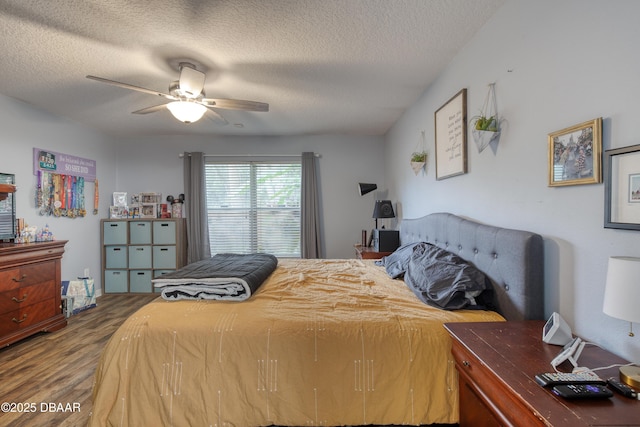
point(386, 240)
point(550, 379)
point(582, 391)
point(622, 388)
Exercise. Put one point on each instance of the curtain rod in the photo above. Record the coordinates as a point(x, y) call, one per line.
point(181, 155)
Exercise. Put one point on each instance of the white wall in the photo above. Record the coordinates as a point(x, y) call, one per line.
point(555, 64)
point(24, 128)
point(152, 164)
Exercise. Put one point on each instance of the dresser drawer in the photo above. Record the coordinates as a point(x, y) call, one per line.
point(27, 275)
point(22, 297)
point(27, 316)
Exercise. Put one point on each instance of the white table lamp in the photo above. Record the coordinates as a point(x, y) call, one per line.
point(622, 301)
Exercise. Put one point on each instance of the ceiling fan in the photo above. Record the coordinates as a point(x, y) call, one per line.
point(188, 103)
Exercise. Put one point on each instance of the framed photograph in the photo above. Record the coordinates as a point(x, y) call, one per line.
point(119, 199)
point(622, 188)
point(575, 154)
point(634, 188)
point(451, 137)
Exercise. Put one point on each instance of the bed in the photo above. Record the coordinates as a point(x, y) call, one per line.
point(320, 342)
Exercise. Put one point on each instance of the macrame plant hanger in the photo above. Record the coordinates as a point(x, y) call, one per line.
point(419, 156)
point(486, 127)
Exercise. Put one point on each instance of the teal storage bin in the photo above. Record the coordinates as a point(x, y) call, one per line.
point(139, 256)
point(140, 281)
point(114, 232)
point(140, 232)
point(164, 233)
point(116, 256)
point(164, 257)
point(115, 281)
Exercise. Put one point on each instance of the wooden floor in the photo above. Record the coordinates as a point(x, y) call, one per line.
point(57, 368)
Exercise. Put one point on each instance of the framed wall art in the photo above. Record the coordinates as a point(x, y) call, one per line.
point(451, 137)
point(575, 154)
point(622, 188)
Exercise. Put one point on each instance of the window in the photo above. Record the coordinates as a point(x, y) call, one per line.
point(254, 207)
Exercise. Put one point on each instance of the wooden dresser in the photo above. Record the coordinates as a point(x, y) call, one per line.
point(30, 288)
point(497, 363)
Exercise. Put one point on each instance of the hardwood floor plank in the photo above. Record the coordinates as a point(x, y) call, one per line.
point(58, 368)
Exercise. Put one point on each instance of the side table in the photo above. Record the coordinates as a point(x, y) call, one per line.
point(497, 363)
point(365, 252)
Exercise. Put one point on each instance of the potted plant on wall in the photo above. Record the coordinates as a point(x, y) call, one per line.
point(419, 157)
point(485, 128)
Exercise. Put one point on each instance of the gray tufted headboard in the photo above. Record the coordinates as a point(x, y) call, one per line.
point(512, 259)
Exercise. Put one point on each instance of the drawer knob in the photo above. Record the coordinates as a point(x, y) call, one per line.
point(21, 320)
point(21, 279)
point(24, 298)
point(466, 363)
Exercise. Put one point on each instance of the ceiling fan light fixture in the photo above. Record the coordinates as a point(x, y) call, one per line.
point(186, 112)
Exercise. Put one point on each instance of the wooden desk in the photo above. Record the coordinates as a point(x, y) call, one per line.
point(496, 365)
point(365, 252)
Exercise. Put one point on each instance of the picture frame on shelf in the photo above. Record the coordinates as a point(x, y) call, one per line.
point(575, 154)
point(451, 137)
point(120, 198)
point(622, 188)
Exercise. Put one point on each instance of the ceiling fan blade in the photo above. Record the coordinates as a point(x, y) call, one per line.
point(215, 116)
point(150, 109)
point(191, 80)
point(132, 87)
point(236, 104)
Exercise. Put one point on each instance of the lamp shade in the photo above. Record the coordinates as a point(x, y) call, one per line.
point(622, 289)
point(383, 209)
point(366, 188)
point(186, 112)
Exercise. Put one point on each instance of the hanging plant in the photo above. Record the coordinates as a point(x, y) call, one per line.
point(485, 128)
point(419, 158)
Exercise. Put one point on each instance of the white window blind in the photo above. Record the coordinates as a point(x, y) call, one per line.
point(254, 207)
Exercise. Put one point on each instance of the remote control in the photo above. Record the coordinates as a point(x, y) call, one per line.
point(549, 379)
point(582, 391)
point(622, 388)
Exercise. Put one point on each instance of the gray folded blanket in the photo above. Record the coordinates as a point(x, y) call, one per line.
point(233, 277)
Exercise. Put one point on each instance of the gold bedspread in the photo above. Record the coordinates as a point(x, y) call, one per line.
point(322, 342)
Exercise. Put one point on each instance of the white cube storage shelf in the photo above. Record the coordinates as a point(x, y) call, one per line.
point(135, 251)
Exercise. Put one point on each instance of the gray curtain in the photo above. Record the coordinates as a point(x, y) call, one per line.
point(310, 209)
point(196, 208)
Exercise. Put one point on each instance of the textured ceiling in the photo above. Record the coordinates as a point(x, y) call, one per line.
point(324, 66)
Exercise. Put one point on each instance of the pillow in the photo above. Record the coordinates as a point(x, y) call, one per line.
point(396, 263)
point(444, 280)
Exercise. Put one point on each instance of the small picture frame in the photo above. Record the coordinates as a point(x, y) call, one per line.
point(634, 188)
point(575, 154)
point(120, 199)
point(451, 137)
point(622, 188)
